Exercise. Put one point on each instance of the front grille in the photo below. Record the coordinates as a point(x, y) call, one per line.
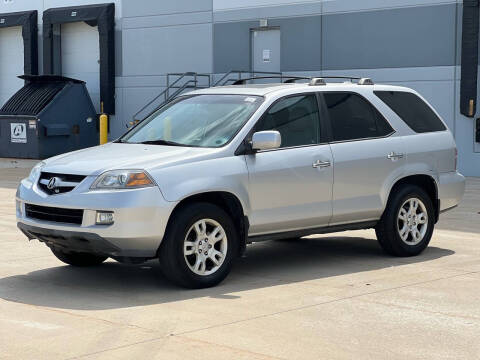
point(74, 180)
point(54, 214)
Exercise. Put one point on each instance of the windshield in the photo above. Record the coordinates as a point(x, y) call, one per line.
point(201, 120)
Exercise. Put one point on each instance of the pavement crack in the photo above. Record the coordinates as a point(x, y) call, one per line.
point(321, 303)
point(476, 319)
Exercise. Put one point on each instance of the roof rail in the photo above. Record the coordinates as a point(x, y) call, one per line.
point(365, 81)
point(289, 79)
point(313, 81)
point(292, 79)
point(317, 81)
point(360, 81)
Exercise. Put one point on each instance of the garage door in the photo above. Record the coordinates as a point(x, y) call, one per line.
point(11, 61)
point(81, 56)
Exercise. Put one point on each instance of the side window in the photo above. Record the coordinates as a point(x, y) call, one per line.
point(412, 110)
point(296, 118)
point(352, 117)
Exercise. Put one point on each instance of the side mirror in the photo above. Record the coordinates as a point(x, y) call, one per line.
point(266, 140)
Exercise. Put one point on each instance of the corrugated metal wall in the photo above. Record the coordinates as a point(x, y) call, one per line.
point(411, 42)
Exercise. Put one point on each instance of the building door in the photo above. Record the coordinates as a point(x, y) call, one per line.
point(81, 56)
point(266, 50)
point(11, 62)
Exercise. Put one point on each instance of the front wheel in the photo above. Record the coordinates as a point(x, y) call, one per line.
point(78, 259)
point(407, 225)
point(199, 246)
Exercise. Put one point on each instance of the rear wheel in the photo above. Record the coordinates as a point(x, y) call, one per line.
point(407, 224)
point(199, 246)
point(78, 259)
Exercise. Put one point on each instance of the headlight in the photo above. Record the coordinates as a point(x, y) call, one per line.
point(35, 173)
point(123, 179)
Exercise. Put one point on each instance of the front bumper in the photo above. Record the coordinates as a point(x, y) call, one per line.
point(140, 219)
point(451, 187)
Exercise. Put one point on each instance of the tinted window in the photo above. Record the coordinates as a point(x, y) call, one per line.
point(413, 110)
point(296, 118)
point(352, 117)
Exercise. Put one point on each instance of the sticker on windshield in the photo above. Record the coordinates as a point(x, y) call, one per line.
point(250, 99)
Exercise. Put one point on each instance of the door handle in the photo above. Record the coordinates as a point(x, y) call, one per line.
point(394, 156)
point(321, 164)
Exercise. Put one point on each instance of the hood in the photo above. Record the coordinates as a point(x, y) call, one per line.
point(112, 156)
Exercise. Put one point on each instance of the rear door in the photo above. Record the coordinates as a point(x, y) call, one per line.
point(291, 187)
point(367, 154)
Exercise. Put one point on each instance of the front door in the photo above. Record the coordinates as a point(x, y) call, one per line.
point(266, 50)
point(291, 187)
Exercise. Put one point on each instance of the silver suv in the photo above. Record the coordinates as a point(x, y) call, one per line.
point(219, 168)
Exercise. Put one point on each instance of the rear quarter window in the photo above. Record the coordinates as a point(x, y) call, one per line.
point(412, 110)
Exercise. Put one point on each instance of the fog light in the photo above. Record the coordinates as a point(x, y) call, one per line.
point(104, 218)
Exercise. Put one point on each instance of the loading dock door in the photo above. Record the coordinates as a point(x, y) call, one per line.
point(266, 50)
point(80, 54)
point(11, 61)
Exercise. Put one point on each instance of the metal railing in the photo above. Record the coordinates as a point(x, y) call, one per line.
point(183, 81)
point(177, 83)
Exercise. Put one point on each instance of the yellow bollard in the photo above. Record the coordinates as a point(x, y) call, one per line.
point(103, 129)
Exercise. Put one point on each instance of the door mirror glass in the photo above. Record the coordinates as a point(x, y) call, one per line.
point(266, 140)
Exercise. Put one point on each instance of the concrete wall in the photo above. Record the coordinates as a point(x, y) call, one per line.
point(410, 42)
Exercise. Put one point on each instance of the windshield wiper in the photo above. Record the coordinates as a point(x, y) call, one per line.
point(161, 142)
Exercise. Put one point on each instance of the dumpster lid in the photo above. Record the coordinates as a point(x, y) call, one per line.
point(49, 79)
point(36, 94)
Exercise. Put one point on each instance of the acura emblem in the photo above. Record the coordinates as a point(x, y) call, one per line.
point(52, 184)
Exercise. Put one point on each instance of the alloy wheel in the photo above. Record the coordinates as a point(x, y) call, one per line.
point(205, 247)
point(412, 221)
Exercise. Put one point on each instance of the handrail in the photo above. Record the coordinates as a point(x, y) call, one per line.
point(191, 83)
point(186, 85)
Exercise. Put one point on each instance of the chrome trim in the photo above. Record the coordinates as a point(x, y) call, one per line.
point(321, 164)
point(394, 156)
point(58, 183)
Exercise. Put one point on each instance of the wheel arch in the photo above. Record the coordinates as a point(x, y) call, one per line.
point(424, 181)
point(227, 201)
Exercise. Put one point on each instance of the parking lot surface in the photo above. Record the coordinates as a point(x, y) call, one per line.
point(334, 296)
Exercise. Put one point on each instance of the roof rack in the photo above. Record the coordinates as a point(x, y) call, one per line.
point(314, 81)
point(317, 81)
point(289, 79)
point(321, 80)
point(365, 81)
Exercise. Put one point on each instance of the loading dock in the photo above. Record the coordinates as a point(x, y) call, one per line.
point(18, 50)
point(57, 61)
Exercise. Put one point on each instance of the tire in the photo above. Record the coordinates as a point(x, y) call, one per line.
point(79, 259)
point(402, 230)
point(184, 250)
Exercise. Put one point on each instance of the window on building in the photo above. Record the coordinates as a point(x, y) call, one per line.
point(413, 110)
point(296, 118)
point(352, 117)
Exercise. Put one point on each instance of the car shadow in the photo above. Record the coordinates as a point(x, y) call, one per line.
point(114, 285)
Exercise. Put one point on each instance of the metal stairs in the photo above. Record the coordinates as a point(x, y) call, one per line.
point(178, 83)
